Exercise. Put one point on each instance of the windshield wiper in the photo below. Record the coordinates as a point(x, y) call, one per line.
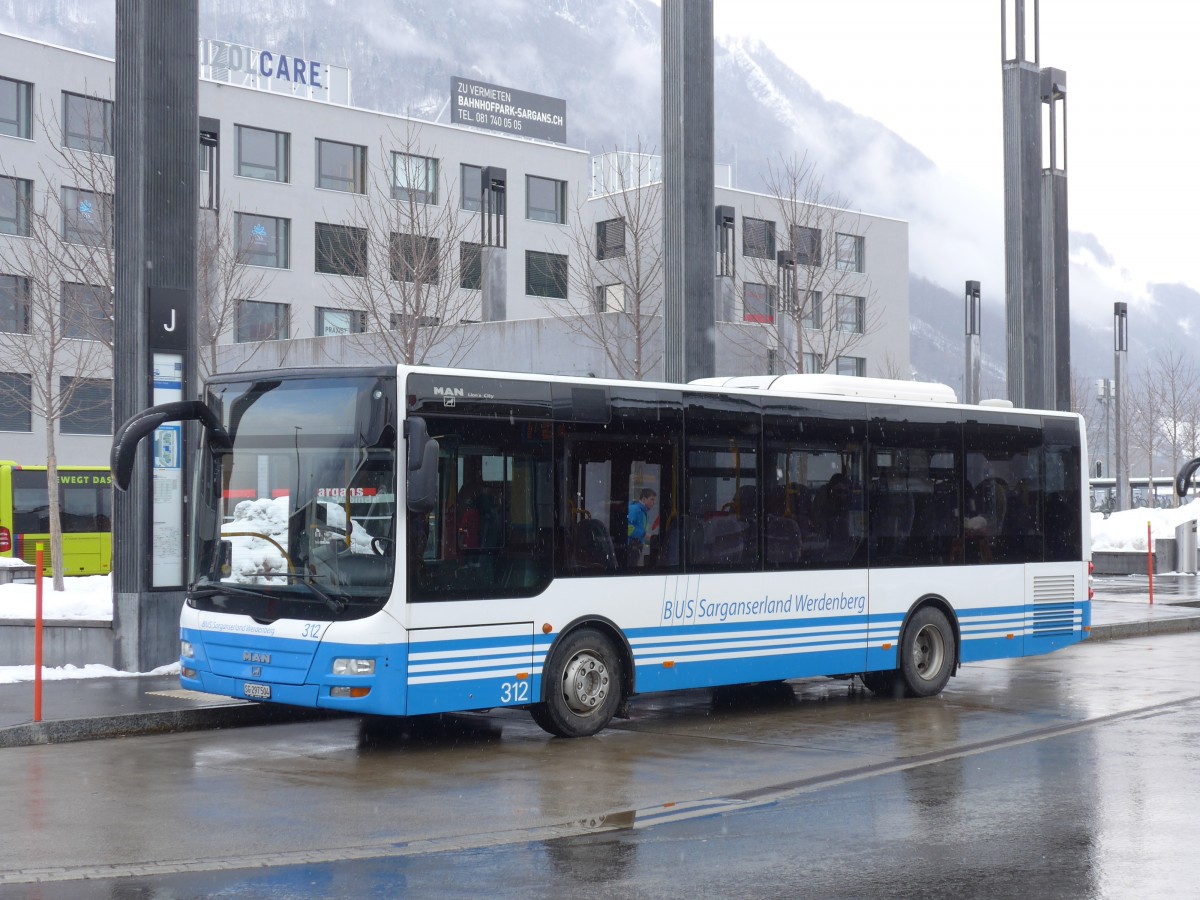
point(199, 592)
point(335, 602)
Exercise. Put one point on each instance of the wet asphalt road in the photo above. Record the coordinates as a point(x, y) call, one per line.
point(1071, 775)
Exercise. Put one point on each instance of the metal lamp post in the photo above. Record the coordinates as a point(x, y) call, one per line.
point(1120, 352)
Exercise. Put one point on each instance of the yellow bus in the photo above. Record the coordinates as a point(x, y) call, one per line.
point(85, 506)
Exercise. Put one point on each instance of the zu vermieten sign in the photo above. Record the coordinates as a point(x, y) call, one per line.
point(505, 109)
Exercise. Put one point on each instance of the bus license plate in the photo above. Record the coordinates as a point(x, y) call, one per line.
point(257, 691)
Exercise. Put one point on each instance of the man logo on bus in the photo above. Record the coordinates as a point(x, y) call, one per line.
point(449, 395)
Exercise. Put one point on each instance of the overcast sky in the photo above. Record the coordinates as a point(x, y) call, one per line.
point(930, 71)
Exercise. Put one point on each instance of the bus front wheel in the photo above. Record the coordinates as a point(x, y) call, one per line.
point(927, 653)
point(583, 686)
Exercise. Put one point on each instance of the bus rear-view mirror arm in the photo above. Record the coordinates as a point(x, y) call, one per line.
point(139, 425)
point(1183, 481)
point(422, 466)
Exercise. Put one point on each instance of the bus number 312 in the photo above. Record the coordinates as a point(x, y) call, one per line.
point(514, 692)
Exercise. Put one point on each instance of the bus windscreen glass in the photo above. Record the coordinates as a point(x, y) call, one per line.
point(300, 509)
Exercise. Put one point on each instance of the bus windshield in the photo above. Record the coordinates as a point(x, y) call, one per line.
point(298, 509)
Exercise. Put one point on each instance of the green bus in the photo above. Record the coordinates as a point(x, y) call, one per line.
point(85, 506)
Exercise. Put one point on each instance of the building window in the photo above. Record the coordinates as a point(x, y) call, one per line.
point(812, 364)
point(758, 303)
point(545, 199)
point(16, 100)
point(14, 304)
point(341, 250)
point(414, 258)
point(336, 322)
point(16, 396)
point(610, 239)
point(758, 238)
point(414, 178)
point(850, 312)
point(470, 266)
point(852, 365)
point(545, 274)
point(87, 123)
point(14, 205)
point(806, 242)
point(471, 186)
point(87, 312)
point(341, 167)
point(259, 321)
point(610, 298)
point(810, 317)
point(89, 405)
point(87, 217)
point(849, 253)
point(262, 154)
point(263, 240)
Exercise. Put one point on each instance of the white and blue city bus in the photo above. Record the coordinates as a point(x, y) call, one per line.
point(406, 540)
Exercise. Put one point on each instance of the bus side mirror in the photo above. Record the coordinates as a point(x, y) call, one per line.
point(422, 467)
point(1183, 481)
point(136, 427)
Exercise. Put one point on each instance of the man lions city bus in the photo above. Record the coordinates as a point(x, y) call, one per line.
point(404, 541)
point(85, 511)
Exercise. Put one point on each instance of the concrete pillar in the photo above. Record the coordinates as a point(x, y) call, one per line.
point(1055, 257)
point(1023, 292)
point(156, 144)
point(688, 240)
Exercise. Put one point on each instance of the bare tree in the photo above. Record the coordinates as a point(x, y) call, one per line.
point(616, 267)
point(403, 259)
point(812, 303)
point(53, 339)
point(223, 281)
point(1141, 414)
point(77, 207)
point(1177, 382)
point(1085, 402)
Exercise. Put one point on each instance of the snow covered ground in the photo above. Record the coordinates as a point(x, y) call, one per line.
point(90, 597)
point(1127, 530)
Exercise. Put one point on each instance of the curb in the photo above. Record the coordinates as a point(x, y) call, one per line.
point(1144, 629)
point(232, 715)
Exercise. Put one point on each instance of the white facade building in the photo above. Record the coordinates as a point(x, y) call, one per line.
point(290, 178)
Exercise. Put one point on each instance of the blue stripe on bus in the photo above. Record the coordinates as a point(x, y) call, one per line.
point(468, 673)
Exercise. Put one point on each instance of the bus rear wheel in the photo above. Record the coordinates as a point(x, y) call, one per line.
point(927, 653)
point(583, 686)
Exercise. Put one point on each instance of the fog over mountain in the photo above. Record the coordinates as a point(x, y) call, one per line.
point(602, 56)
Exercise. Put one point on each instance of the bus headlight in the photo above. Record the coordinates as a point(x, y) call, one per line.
point(186, 650)
point(354, 667)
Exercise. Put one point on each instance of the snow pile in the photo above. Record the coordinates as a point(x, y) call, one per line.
point(256, 559)
point(14, 674)
point(87, 597)
point(1126, 530)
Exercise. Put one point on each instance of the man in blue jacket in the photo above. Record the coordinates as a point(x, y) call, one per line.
point(639, 521)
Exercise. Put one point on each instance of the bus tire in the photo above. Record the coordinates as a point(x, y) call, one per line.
point(582, 686)
point(927, 653)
